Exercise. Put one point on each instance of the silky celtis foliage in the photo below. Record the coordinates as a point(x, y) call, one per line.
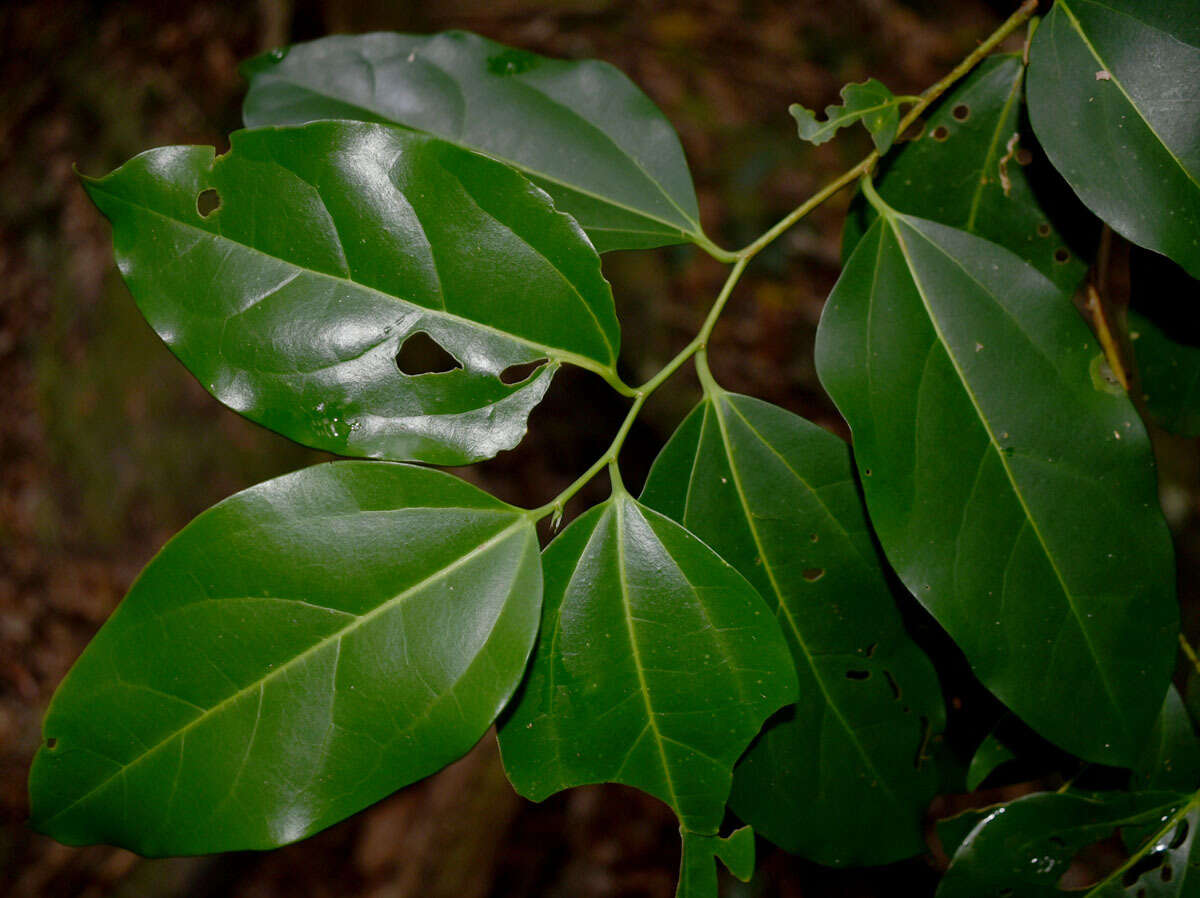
point(730, 641)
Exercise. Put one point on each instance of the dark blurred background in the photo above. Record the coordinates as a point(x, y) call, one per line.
point(108, 446)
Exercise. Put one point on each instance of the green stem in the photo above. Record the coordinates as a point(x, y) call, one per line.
point(921, 103)
point(614, 478)
point(614, 380)
point(707, 382)
point(609, 459)
point(1011, 24)
point(556, 505)
point(1029, 31)
point(753, 249)
point(873, 197)
point(721, 255)
point(700, 341)
point(741, 258)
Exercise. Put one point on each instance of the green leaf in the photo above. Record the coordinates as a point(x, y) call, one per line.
point(1023, 848)
point(295, 653)
point(1171, 756)
point(656, 665)
point(697, 868)
point(975, 167)
point(1169, 374)
point(1113, 99)
point(991, 754)
point(1015, 497)
point(840, 777)
point(581, 130)
point(1168, 860)
point(870, 103)
point(332, 245)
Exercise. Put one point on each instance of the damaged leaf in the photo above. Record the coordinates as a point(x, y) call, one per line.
point(991, 177)
point(698, 866)
point(334, 243)
point(839, 777)
point(869, 102)
point(1015, 500)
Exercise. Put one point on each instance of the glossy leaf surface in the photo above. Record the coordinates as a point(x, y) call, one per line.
point(976, 167)
point(1113, 99)
point(581, 130)
point(1170, 863)
point(294, 654)
point(656, 665)
point(1171, 757)
point(698, 865)
point(841, 776)
point(1024, 847)
point(990, 755)
point(869, 102)
point(332, 245)
point(1014, 496)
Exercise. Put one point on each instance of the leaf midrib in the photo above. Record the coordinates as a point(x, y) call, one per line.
point(962, 379)
point(770, 571)
point(618, 512)
point(335, 636)
point(1079, 30)
point(672, 226)
point(832, 125)
point(977, 194)
point(562, 355)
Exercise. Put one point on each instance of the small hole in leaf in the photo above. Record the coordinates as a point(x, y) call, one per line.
point(1024, 156)
point(961, 112)
point(51, 743)
point(813, 574)
point(941, 132)
point(515, 374)
point(1146, 864)
point(1043, 229)
point(1180, 835)
point(812, 537)
point(421, 354)
point(895, 687)
point(1061, 255)
point(208, 202)
point(866, 472)
point(870, 650)
point(858, 675)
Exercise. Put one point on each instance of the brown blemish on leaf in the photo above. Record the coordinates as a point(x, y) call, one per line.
point(1010, 150)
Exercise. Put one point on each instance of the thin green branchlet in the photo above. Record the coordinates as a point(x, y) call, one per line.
point(641, 394)
point(741, 258)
